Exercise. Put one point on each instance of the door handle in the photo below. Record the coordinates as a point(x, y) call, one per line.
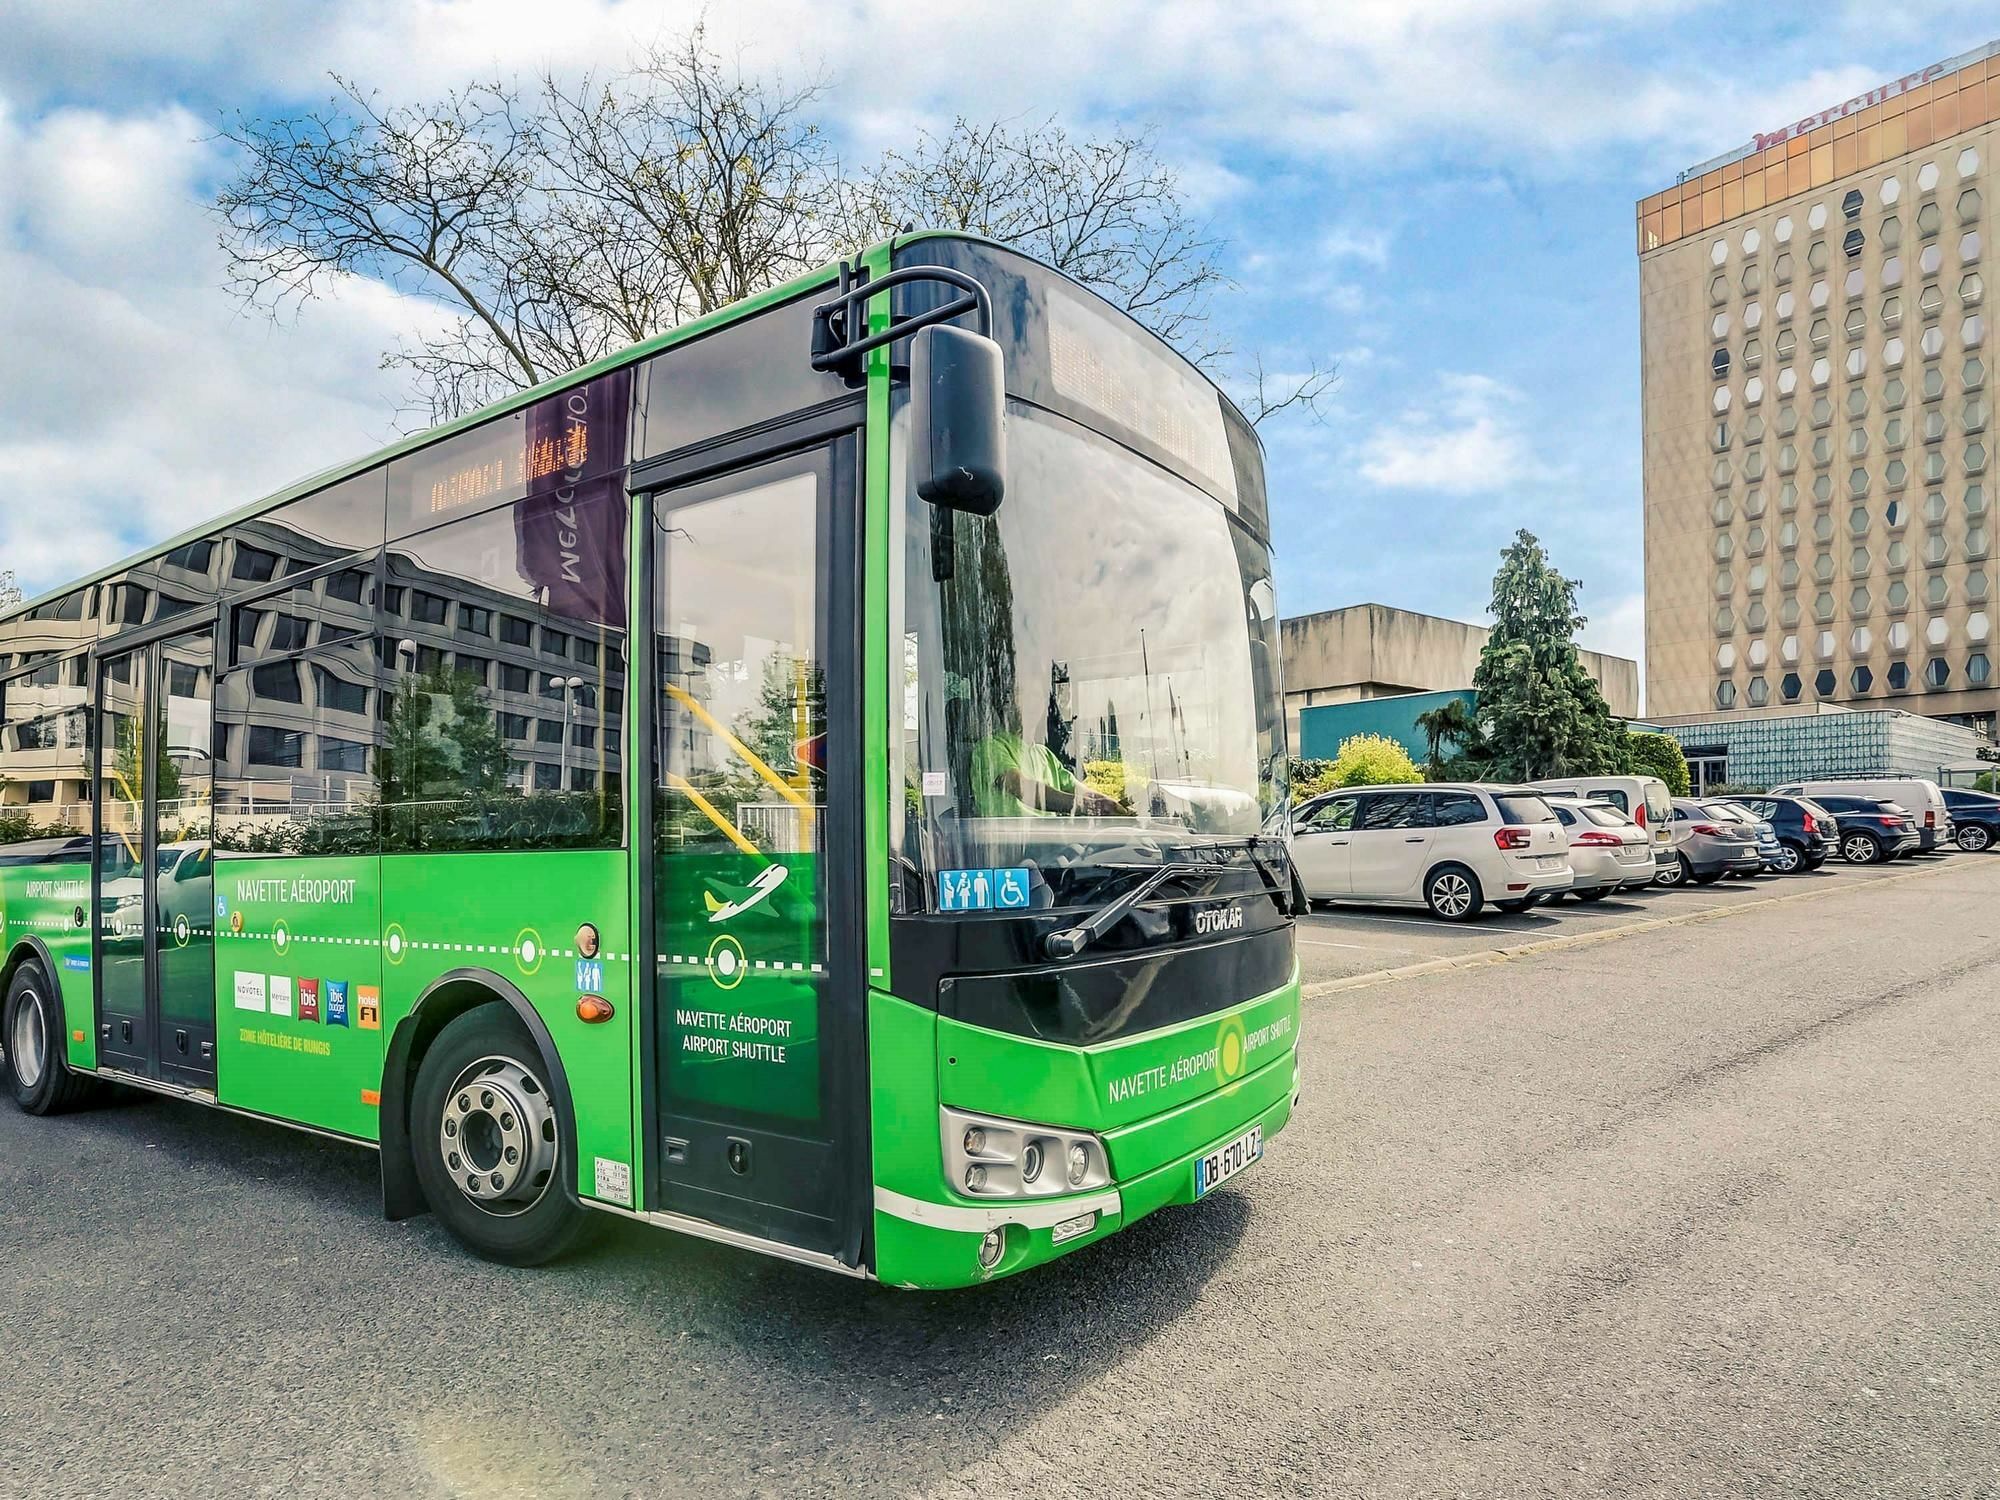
point(1336, 841)
point(1415, 838)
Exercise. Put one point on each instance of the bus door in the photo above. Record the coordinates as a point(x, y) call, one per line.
point(154, 873)
point(756, 1079)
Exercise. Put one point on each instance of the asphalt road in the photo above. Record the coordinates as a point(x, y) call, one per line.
point(1708, 1209)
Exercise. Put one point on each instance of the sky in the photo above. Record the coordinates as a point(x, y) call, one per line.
point(1435, 194)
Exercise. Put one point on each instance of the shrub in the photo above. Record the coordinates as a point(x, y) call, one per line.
point(1659, 755)
point(1368, 760)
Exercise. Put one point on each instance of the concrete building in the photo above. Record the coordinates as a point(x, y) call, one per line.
point(1823, 741)
point(1373, 651)
point(1818, 410)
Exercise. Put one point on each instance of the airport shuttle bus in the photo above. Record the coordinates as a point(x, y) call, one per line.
point(804, 781)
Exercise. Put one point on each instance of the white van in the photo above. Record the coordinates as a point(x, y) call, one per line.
point(1643, 799)
point(1922, 800)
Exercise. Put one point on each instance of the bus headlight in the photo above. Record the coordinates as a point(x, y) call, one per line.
point(992, 1158)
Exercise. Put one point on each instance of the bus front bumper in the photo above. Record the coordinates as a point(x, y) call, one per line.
point(946, 1239)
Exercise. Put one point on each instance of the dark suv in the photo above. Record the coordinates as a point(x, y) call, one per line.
point(1807, 835)
point(1871, 830)
point(1975, 816)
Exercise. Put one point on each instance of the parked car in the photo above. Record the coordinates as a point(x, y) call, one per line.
point(1924, 800)
point(1706, 848)
point(1452, 847)
point(1975, 817)
point(1807, 836)
point(1871, 829)
point(1728, 809)
point(1646, 800)
point(1607, 850)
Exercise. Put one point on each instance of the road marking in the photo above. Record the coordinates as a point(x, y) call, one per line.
point(1500, 955)
point(1363, 947)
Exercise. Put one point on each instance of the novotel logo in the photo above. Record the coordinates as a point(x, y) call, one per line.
point(1860, 101)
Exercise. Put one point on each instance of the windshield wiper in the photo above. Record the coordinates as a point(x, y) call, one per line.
point(1070, 941)
point(1279, 894)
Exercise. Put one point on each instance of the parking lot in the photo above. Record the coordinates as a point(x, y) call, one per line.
point(1343, 943)
point(1704, 1208)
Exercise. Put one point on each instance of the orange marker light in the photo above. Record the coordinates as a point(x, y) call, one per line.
point(371, 1096)
point(592, 1009)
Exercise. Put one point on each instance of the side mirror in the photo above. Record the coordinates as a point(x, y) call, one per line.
point(958, 410)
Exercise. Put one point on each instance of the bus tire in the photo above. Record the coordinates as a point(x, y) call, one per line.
point(31, 1030)
point(487, 1140)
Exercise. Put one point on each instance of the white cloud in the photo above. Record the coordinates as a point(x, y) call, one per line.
point(1617, 627)
point(139, 399)
point(1468, 443)
point(1347, 242)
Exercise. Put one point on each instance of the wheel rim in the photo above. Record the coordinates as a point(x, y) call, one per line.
point(498, 1137)
point(1673, 874)
point(1973, 837)
point(1786, 859)
point(28, 1045)
point(1451, 894)
point(1858, 850)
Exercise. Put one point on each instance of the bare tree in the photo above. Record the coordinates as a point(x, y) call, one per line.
point(1263, 395)
point(1104, 210)
point(552, 227)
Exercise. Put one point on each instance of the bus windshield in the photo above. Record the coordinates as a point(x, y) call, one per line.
point(1089, 675)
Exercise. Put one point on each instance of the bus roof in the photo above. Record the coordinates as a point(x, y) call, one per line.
point(707, 323)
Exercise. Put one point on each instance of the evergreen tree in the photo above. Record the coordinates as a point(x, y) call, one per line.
point(1542, 712)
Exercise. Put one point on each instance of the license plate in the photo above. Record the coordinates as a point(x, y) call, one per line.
point(1550, 861)
point(1224, 1162)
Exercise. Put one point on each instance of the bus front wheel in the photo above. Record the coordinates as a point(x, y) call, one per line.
point(31, 1036)
point(488, 1141)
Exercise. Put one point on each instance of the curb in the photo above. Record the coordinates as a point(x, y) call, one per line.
point(1487, 956)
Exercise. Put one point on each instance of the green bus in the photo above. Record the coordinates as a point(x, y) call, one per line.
point(907, 904)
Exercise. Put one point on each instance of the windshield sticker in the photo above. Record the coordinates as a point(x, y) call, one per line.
point(983, 890)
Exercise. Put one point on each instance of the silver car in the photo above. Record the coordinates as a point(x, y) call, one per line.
point(1706, 848)
point(1607, 850)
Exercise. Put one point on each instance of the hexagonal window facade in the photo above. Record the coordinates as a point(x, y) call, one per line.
point(1725, 547)
point(1718, 289)
point(1899, 596)
point(1822, 371)
point(1975, 584)
point(1759, 692)
point(1927, 176)
point(1857, 442)
point(1725, 657)
point(1718, 364)
point(1850, 204)
point(1721, 399)
point(1896, 512)
point(1899, 676)
point(1788, 419)
point(1753, 504)
point(1933, 380)
point(1822, 488)
point(1785, 343)
point(1937, 633)
point(1721, 473)
point(1975, 458)
point(1937, 551)
point(1856, 323)
point(1822, 449)
point(1782, 230)
point(1977, 625)
point(1822, 411)
point(1892, 272)
point(1894, 433)
point(1896, 473)
point(1972, 330)
point(1854, 285)
point(1968, 162)
point(1857, 520)
point(1788, 573)
point(1932, 345)
point(1823, 645)
point(1977, 543)
point(1889, 191)
point(1823, 606)
point(1857, 601)
point(1933, 426)
point(1753, 464)
point(1936, 507)
point(1968, 206)
point(1892, 354)
point(1930, 219)
point(1753, 315)
point(1857, 401)
point(1788, 458)
point(1725, 619)
point(1781, 268)
point(1821, 333)
point(1968, 246)
point(1857, 481)
point(1972, 416)
point(1937, 672)
point(1897, 554)
point(1789, 687)
point(1859, 640)
point(1788, 496)
point(1758, 654)
point(1892, 311)
point(1753, 428)
point(1788, 616)
point(1753, 541)
point(1978, 670)
point(1975, 499)
point(1857, 362)
point(1784, 306)
point(1756, 617)
point(1975, 373)
point(1937, 591)
point(1824, 682)
point(1971, 289)
point(1753, 279)
point(1860, 680)
point(1898, 636)
point(1718, 326)
point(1823, 528)
point(1816, 260)
point(1816, 216)
point(1724, 583)
point(1930, 260)
point(1753, 390)
point(1725, 695)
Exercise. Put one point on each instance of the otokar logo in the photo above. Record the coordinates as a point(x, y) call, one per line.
point(1210, 919)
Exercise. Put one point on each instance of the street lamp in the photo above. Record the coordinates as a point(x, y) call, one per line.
point(569, 686)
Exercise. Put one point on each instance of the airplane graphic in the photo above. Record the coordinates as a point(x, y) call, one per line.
point(768, 880)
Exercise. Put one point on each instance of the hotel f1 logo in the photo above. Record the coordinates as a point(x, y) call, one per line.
point(368, 1007)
